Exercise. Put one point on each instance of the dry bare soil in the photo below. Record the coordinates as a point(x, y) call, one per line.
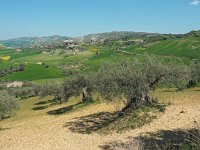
point(36, 130)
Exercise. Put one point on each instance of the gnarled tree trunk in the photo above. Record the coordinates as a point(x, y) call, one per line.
point(137, 103)
point(86, 95)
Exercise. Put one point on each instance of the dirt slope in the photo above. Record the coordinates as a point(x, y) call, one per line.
point(46, 132)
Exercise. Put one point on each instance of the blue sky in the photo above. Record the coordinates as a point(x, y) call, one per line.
point(79, 17)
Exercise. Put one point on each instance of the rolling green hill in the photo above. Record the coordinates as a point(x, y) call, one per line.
point(179, 48)
point(2, 46)
point(182, 47)
point(187, 46)
point(27, 42)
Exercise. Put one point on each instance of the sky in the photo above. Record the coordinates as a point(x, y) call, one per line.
point(19, 18)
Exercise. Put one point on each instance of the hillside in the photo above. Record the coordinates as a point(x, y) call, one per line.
point(187, 46)
point(63, 63)
point(27, 42)
point(182, 47)
point(2, 46)
point(36, 129)
point(124, 35)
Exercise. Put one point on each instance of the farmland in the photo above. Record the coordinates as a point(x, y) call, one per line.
point(55, 80)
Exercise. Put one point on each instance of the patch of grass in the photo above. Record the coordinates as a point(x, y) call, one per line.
point(34, 72)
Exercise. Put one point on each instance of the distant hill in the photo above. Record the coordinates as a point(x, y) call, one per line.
point(185, 45)
point(124, 35)
point(174, 44)
point(25, 42)
point(2, 46)
point(193, 33)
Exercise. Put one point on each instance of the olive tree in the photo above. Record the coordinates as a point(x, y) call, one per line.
point(54, 89)
point(195, 73)
point(76, 86)
point(21, 92)
point(70, 87)
point(136, 79)
point(7, 105)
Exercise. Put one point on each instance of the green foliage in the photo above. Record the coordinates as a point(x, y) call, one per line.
point(195, 74)
point(76, 86)
point(7, 105)
point(11, 69)
point(21, 92)
point(36, 89)
point(69, 88)
point(52, 89)
point(135, 79)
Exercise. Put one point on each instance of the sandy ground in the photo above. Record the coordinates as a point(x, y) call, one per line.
point(48, 132)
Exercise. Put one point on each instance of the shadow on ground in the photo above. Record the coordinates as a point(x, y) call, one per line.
point(2, 129)
point(40, 108)
point(93, 122)
point(163, 140)
point(62, 110)
point(169, 90)
point(43, 104)
point(106, 122)
point(51, 102)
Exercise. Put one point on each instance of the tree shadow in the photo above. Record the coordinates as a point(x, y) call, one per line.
point(93, 122)
point(51, 102)
point(40, 108)
point(44, 104)
point(119, 121)
point(163, 140)
point(2, 129)
point(169, 91)
point(63, 110)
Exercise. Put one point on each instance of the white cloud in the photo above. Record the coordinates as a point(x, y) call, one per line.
point(195, 2)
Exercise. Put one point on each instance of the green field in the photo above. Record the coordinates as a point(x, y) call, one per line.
point(187, 47)
point(180, 50)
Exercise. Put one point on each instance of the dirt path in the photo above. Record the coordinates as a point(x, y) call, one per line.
point(47, 132)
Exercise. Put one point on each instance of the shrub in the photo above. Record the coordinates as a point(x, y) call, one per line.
point(7, 105)
point(195, 74)
point(36, 89)
point(52, 89)
point(76, 86)
point(46, 66)
point(21, 92)
point(21, 67)
point(71, 87)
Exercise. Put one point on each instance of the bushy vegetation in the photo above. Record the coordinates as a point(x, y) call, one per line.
point(136, 79)
point(195, 74)
point(21, 92)
point(7, 105)
point(76, 86)
point(132, 79)
point(52, 89)
point(70, 87)
point(11, 69)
